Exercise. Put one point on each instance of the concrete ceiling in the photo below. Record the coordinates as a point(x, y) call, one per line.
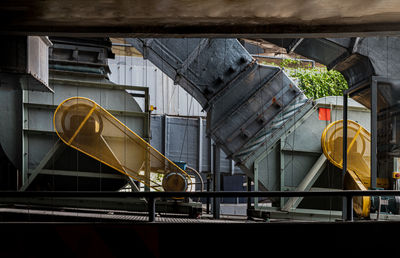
point(240, 18)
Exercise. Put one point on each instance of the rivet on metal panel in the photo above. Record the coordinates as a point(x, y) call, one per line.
point(260, 119)
point(219, 81)
point(244, 133)
point(276, 102)
point(177, 79)
point(242, 60)
point(230, 70)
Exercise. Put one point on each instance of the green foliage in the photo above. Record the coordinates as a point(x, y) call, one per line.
point(315, 82)
point(319, 82)
point(290, 63)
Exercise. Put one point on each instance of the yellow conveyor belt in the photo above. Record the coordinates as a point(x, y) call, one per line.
point(358, 159)
point(84, 125)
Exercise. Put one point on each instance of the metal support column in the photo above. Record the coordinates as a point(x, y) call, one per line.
point(344, 171)
point(349, 207)
point(208, 198)
point(200, 146)
point(151, 207)
point(147, 171)
point(374, 131)
point(216, 181)
point(211, 169)
point(248, 198)
point(147, 127)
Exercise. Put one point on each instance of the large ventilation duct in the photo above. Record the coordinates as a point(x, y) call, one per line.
point(247, 104)
point(364, 62)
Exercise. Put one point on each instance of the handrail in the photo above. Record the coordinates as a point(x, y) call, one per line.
point(152, 196)
point(112, 194)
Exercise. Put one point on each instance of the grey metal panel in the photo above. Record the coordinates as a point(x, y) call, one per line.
point(269, 135)
point(269, 170)
point(344, 42)
point(26, 57)
point(38, 58)
point(11, 119)
point(245, 88)
point(255, 113)
point(39, 145)
point(39, 119)
point(383, 53)
point(182, 136)
point(182, 142)
point(39, 136)
point(296, 167)
point(300, 144)
point(156, 140)
point(321, 50)
point(211, 65)
point(167, 97)
point(307, 137)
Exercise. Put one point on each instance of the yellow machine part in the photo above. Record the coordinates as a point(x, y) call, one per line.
point(84, 125)
point(358, 159)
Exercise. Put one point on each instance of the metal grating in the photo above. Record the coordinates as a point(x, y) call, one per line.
point(106, 215)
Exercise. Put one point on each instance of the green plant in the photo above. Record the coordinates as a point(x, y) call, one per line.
point(290, 63)
point(319, 82)
point(315, 82)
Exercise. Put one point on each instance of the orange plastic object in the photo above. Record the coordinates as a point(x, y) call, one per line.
point(324, 114)
point(84, 125)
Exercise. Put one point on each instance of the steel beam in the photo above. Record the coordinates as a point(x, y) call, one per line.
point(216, 180)
point(308, 181)
point(200, 146)
point(80, 174)
point(56, 149)
point(248, 199)
point(344, 152)
point(374, 131)
point(113, 112)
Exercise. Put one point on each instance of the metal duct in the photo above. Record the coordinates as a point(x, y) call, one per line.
point(243, 98)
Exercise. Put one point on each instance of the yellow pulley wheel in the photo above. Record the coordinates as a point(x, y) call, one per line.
point(84, 125)
point(358, 158)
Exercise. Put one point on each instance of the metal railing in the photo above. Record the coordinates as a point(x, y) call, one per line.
point(151, 197)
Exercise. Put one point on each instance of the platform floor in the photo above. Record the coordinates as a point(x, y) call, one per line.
point(25, 214)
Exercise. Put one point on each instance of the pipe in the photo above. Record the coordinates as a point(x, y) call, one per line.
point(199, 176)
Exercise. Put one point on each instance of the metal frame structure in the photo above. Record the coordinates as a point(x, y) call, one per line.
point(28, 176)
point(288, 208)
point(152, 197)
point(373, 85)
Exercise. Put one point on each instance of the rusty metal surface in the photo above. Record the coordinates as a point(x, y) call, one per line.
point(214, 18)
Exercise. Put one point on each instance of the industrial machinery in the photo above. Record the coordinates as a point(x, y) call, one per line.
point(260, 118)
point(84, 125)
point(358, 176)
point(40, 159)
point(255, 113)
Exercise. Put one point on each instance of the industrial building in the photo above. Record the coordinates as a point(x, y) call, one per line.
point(174, 128)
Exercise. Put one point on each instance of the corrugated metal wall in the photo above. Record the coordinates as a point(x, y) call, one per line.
point(168, 98)
point(184, 139)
